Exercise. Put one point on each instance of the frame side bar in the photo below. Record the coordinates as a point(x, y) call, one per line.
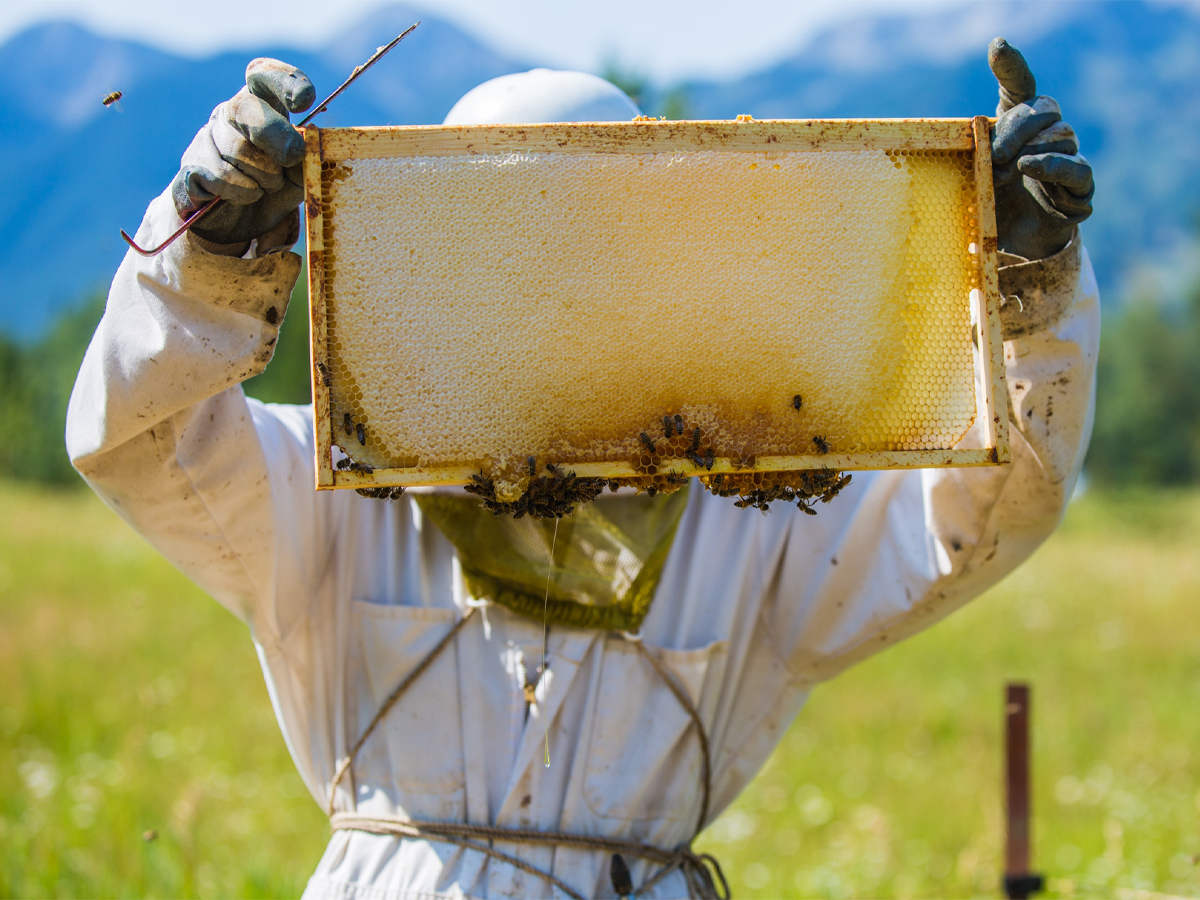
point(991, 340)
point(315, 222)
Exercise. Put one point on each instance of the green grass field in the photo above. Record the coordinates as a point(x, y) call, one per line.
point(139, 755)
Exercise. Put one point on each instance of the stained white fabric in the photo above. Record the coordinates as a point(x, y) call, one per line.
point(344, 594)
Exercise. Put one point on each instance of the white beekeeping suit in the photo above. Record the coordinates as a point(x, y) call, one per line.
point(345, 595)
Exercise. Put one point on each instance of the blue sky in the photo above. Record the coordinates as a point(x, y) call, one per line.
point(667, 39)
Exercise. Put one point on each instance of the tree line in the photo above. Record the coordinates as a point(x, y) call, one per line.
point(1147, 429)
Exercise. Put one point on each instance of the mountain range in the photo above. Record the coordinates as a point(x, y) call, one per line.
point(1126, 74)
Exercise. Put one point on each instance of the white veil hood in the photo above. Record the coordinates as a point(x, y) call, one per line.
point(542, 95)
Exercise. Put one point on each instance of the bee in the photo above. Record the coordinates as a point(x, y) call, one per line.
point(652, 491)
point(552, 468)
point(678, 423)
point(110, 99)
point(836, 488)
point(674, 477)
point(347, 424)
point(695, 442)
point(362, 433)
point(797, 402)
point(668, 427)
point(481, 486)
point(532, 463)
point(821, 444)
point(808, 510)
point(326, 375)
point(645, 439)
point(708, 459)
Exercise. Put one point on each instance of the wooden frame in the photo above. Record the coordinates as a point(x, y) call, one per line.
point(650, 137)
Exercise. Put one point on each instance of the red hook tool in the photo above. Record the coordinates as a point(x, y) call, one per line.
point(213, 203)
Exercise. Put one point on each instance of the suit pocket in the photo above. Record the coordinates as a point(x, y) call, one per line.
point(644, 759)
point(422, 732)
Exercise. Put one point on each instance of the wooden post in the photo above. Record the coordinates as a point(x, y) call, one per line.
point(1019, 881)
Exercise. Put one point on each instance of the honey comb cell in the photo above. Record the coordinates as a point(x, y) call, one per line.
point(486, 295)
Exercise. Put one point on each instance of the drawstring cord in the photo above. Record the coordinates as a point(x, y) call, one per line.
point(700, 871)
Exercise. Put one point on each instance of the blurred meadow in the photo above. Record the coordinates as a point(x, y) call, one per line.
point(139, 755)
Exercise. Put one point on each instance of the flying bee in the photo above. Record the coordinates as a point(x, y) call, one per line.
point(645, 439)
point(668, 427)
point(797, 402)
point(362, 433)
point(347, 424)
point(679, 423)
point(326, 375)
point(113, 99)
point(821, 444)
point(695, 442)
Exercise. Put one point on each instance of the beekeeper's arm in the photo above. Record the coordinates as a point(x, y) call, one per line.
point(921, 543)
point(157, 422)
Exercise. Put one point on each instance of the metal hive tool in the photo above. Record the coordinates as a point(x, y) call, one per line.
point(797, 295)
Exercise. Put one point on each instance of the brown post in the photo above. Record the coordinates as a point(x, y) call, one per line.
point(1019, 881)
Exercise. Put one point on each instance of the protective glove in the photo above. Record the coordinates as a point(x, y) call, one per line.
point(1043, 186)
point(249, 155)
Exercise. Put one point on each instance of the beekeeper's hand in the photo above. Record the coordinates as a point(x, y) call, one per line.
point(249, 155)
point(1043, 186)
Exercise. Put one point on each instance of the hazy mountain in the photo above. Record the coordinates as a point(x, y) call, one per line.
point(1125, 73)
point(76, 173)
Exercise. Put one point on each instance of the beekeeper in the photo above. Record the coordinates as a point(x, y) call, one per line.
point(414, 709)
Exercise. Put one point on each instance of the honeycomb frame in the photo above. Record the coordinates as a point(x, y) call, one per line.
point(327, 148)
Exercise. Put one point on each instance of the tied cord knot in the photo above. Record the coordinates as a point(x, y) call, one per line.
point(701, 871)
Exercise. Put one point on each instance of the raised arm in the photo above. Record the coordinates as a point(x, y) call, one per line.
point(157, 422)
point(906, 548)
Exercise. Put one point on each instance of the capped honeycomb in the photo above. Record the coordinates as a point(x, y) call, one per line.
point(501, 311)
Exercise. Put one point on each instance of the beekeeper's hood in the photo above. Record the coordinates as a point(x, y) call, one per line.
point(608, 555)
point(542, 95)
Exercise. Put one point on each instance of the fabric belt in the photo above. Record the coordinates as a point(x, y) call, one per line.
point(701, 871)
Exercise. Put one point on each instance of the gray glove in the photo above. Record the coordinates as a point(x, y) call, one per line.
point(249, 155)
point(1043, 186)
